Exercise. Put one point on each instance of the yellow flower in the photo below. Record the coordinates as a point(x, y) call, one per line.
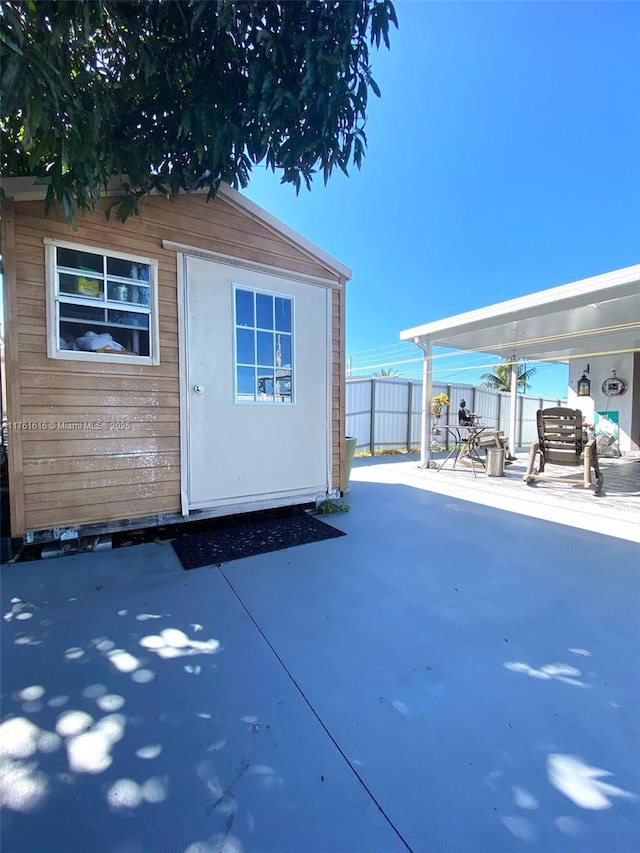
point(438, 403)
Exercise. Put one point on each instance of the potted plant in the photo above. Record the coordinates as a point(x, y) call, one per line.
point(350, 448)
point(438, 403)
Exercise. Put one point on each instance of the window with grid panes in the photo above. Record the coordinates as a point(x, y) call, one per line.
point(263, 347)
point(102, 305)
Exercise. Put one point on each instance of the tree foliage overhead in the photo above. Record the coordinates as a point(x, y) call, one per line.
point(183, 94)
point(500, 379)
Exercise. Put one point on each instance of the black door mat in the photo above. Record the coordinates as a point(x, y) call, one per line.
point(247, 540)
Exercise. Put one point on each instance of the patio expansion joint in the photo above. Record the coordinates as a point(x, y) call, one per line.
point(308, 703)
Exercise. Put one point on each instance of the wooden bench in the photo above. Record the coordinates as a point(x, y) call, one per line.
point(494, 438)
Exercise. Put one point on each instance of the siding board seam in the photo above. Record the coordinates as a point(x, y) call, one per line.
point(12, 360)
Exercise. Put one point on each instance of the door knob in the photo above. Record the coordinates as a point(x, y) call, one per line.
point(199, 389)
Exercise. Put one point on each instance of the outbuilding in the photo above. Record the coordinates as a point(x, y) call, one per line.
point(183, 364)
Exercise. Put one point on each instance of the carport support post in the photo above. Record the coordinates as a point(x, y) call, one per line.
point(425, 435)
point(512, 407)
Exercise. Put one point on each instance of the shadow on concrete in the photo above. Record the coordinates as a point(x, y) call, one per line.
point(446, 677)
point(144, 713)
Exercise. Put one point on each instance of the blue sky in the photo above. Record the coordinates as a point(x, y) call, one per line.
point(503, 158)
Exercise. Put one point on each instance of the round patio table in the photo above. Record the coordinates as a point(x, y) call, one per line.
point(464, 447)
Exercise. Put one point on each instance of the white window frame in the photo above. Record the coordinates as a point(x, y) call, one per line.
point(55, 298)
point(276, 295)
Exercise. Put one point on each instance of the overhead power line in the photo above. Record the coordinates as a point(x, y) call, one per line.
point(402, 344)
point(499, 347)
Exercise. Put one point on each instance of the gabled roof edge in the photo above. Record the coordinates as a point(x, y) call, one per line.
point(26, 189)
point(274, 224)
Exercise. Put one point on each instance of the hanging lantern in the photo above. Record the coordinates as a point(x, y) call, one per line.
point(584, 384)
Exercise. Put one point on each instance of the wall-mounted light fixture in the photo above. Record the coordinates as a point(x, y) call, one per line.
point(584, 384)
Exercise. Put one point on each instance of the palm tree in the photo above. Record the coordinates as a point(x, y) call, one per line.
point(387, 371)
point(500, 379)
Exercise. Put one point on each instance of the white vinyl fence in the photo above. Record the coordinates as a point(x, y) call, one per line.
point(386, 413)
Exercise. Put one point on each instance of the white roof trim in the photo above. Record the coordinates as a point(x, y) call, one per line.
point(26, 189)
point(541, 302)
point(274, 224)
point(234, 261)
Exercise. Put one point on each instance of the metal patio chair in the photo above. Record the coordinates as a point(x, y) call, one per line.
point(562, 442)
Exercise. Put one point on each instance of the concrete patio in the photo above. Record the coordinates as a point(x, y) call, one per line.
point(449, 676)
point(613, 512)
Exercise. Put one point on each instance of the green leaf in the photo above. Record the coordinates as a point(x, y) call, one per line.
point(192, 92)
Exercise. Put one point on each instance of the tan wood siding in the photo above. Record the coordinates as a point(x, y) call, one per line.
point(135, 471)
point(78, 465)
point(90, 479)
point(338, 304)
point(43, 518)
point(11, 365)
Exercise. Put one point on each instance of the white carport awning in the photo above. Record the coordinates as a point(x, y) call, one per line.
point(595, 316)
point(584, 319)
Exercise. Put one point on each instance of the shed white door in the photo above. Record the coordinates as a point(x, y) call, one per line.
point(272, 444)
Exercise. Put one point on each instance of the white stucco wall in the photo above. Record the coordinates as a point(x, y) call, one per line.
point(601, 368)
